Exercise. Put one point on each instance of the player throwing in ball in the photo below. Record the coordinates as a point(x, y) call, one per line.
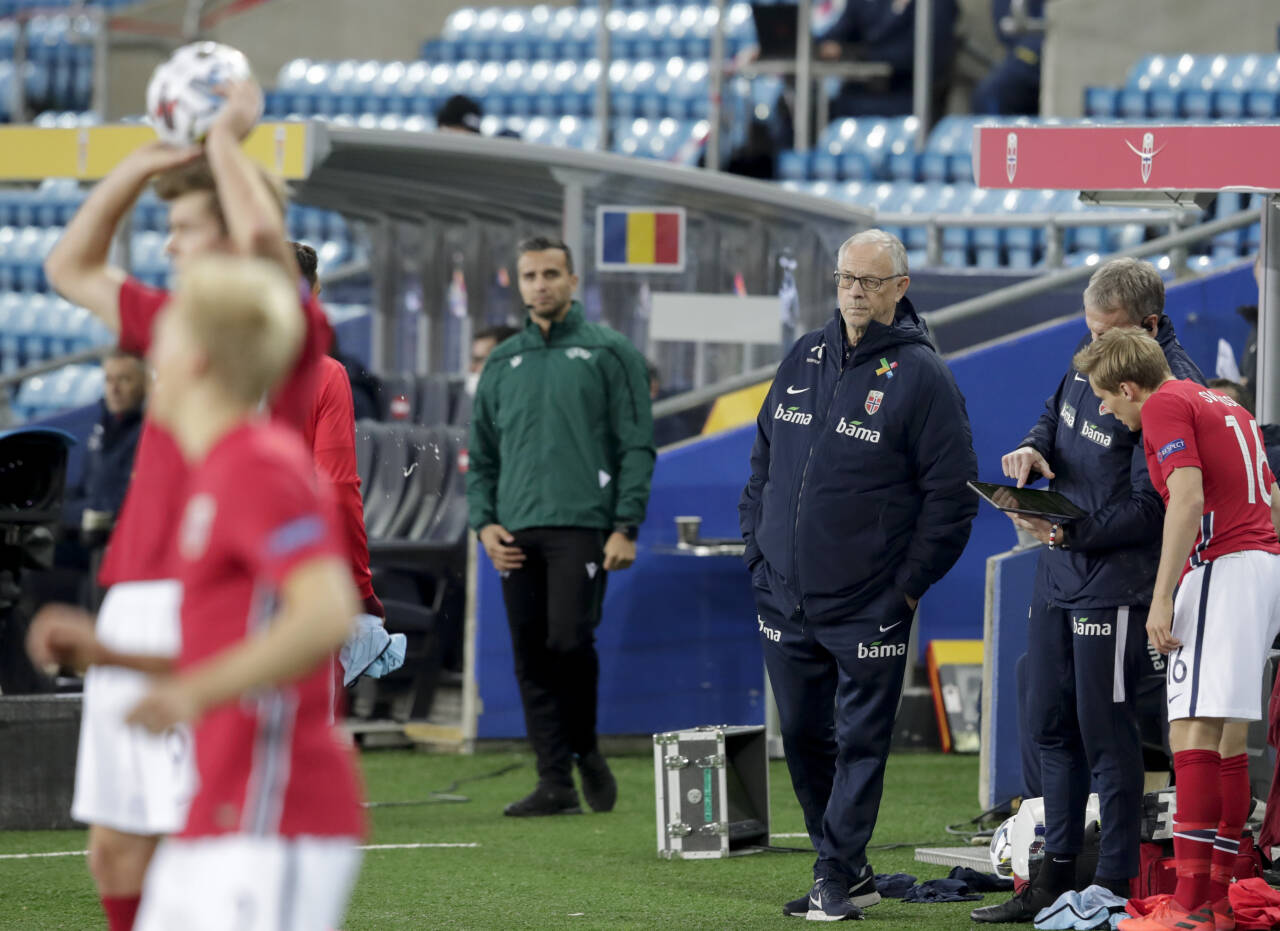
point(131, 787)
point(1215, 608)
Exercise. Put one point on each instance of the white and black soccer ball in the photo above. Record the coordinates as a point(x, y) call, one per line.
point(1002, 849)
point(181, 103)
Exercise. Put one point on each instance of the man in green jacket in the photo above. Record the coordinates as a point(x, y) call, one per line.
point(561, 457)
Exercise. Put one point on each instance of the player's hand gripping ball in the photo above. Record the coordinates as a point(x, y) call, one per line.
point(183, 97)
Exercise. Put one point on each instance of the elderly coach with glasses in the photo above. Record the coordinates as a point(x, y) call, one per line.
point(856, 505)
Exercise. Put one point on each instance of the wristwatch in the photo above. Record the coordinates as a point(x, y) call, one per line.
point(630, 531)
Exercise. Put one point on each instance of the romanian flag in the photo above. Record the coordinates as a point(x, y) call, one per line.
point(641, 238)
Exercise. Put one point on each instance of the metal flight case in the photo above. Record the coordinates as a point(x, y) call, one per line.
point(712, 789)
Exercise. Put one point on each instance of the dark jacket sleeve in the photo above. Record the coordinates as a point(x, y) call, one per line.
point(749, 503)
point(1134, 521)
point(942, 446)
point(1041, 437)
point(483, 458)
point(631, 423)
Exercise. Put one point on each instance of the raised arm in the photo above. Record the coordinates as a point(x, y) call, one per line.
point(78, 266)
point(255, 220)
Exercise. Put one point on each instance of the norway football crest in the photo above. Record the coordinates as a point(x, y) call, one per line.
point(196, 524)
point(1147, 153)
point(873, 402)
point(1011, 156)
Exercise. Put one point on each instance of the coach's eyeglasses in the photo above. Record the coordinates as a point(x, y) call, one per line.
point(845, 281)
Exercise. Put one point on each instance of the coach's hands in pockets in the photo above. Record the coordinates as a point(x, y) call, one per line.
point(62, 636)
point(1020, 463)
point(1160, 625)
point(497, 542)
point(168, 703)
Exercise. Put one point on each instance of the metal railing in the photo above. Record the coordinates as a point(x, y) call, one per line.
point(976, 306)
point(1054, 225)
point(93, 354)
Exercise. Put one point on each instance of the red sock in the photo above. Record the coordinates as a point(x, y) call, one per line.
point(1236, 796)
point(121, 910)
point(1199, 805)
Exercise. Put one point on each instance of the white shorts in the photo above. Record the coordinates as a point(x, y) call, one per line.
point(1226, 614)
point(127, 778)
point(249, 884)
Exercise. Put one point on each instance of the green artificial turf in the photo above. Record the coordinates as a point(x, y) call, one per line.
point(592, 871)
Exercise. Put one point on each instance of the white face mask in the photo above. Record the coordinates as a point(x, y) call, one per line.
point(473, 380)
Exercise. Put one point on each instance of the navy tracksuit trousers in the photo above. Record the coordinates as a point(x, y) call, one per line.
point(837, 683)
point(1082, 671)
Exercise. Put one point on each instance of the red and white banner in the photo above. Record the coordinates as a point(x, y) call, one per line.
point(1128, 158)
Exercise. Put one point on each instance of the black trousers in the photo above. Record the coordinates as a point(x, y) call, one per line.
point(553, 608)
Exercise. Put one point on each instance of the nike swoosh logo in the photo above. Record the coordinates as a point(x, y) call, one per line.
point(890, 627)
point(1173, 698)
point(793, 390)
point(1078, 378)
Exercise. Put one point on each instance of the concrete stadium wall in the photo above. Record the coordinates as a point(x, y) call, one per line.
point(1095, 42)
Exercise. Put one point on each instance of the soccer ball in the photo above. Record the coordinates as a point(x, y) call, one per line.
point(181, 103)
point(1002, 849)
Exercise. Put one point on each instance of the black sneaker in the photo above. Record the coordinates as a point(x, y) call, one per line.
point(862, 893)
point(1022, 908)
point(829, 901)
point(545, 800)
point(598, 785)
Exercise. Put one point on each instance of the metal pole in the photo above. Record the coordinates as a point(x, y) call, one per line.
point(18, 90)
point(604, 52)
point(804, 76)
point(571, 221)
point(1268, 387)
point(716, 88)
point(922, 86)
point(101, 69)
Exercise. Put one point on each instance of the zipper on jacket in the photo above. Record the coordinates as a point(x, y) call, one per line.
point(804, 474)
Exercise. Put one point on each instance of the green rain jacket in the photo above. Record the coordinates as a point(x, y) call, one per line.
point(561, 430)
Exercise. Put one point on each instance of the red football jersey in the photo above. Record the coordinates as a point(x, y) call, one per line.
point(330, 435)
point(141, 544)
point(272, 762)
point(1187, 425)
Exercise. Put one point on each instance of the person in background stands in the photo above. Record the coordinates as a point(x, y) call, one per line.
point(108, 462)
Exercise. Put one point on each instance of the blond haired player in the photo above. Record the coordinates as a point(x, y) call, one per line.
point(267, 597)
point(1215, 608)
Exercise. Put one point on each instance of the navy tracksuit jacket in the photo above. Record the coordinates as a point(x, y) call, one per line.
point(857, 498)
point(1086, 644)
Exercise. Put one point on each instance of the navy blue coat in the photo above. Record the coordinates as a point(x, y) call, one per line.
point(108, 463)
point(859, 468)
point(1099, 464)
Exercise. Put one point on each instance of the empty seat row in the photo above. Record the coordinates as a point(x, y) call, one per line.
point(413, 481)
point(36, 327)
point(1014, 246)
point(514, 34)
point(651, 88)
point(59, 390)
point(1193, 87)
point(433, 399)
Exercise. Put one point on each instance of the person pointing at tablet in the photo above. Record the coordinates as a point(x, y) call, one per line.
point(1086, 636)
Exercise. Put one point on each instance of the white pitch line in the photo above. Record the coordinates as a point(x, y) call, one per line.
point(411, 846)
point(36, 856)
point(81, 853)
point(789, 835)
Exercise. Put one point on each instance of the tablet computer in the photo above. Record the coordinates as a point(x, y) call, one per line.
point(1047, 504)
